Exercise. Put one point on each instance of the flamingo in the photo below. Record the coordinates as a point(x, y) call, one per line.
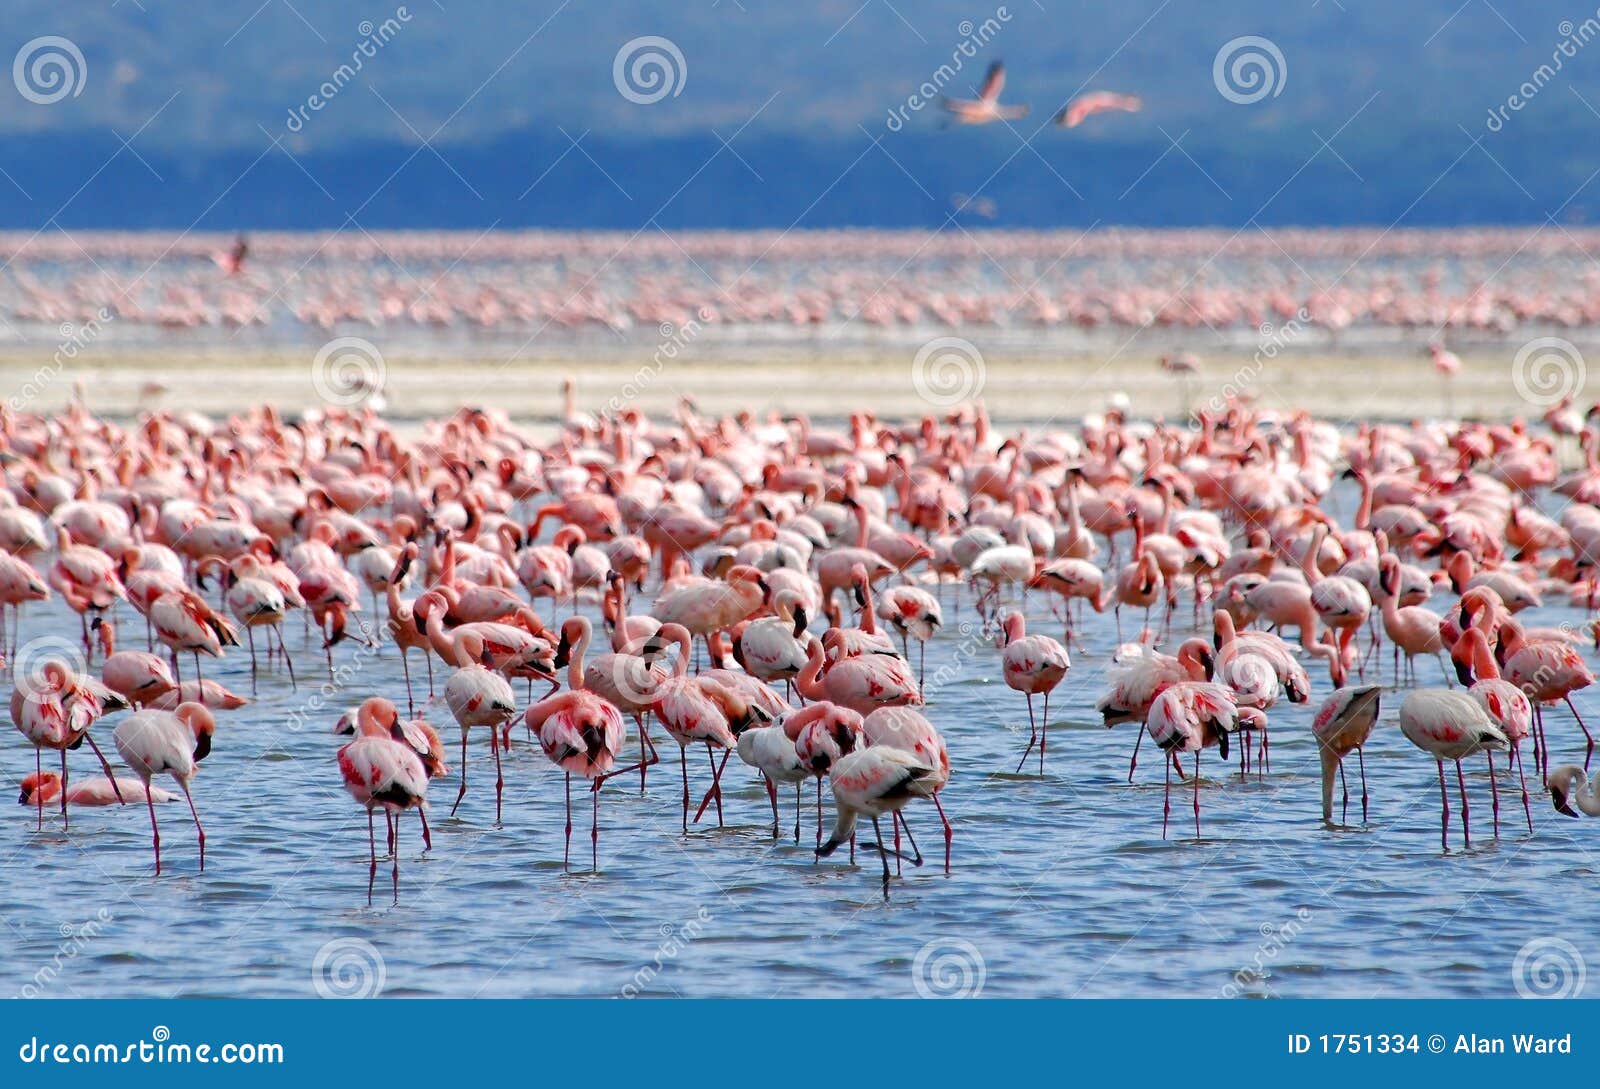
point(1032, 665)
point(581, 732)
point(43, 787)
point(172, 742)
point(986, 108)
point(1450, 725)
point(381, 770)
point(871, 782)
point(1344, 722)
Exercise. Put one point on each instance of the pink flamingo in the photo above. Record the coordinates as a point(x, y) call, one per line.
point(380, 770)
point(171, 742)
point(986, 108)
point(1032, 665)
point(1343, 723)
point(1449, 725)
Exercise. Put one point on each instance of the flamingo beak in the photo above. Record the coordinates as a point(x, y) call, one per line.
point(1222, 743)
point(1557, 795)
point(202, 747)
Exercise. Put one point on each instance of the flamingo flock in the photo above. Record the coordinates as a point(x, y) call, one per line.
point(751, 585)
point(1480, 284)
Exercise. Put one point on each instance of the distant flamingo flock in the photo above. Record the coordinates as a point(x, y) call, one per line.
point(1483, 284)
point(636, 592)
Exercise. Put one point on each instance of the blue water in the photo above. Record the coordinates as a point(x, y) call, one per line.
point(1061, 884)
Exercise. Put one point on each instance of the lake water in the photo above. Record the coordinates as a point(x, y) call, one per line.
point(1061, 884)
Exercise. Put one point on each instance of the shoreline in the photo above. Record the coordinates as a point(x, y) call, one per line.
point(1016, 387)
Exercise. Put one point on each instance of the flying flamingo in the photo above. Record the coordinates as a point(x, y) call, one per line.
point(174, 742)
point(986, 107)
point(1085, 106)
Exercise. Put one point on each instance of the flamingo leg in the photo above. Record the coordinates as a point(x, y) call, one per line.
point(63, 789)
point(1466, 814)
point(499, 774)
point(1033, 735)
point(1044, 731)
point(427, 836)
point(405, 667)
point(155, 833)
point(1133, 762)
point(462, 793)
point(1344, 812)
point(1587, 736)
point(566, 852)
point(883, 856)
point(104, 763)
point(1494, 795)
point(1361, 762)
point(38, 795)
point(1444, 815)
point(594, 829)
point(772, 796)
point(372, 846)
point(1197, 796)
point(1516, 754)
point(200, 833)
point(683, 765)
point(288, 663)
point(797, 792)
point(1166, 802)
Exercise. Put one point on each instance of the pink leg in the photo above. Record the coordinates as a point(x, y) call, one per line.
point(155, 833)
point(949, 832)
point(1494, 795)
point(1444, 812)
point(1166, 803)
point(1033, 735)
point(199, 831)
point(1466, 813)
point(499, 775)
point(462, 793)
point(1197, 796)
point(1134, 761)
point(1516, 754)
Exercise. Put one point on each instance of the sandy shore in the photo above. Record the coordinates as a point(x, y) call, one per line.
point(1028, 387)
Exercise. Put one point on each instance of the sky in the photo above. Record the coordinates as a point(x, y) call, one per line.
point(286, 113)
